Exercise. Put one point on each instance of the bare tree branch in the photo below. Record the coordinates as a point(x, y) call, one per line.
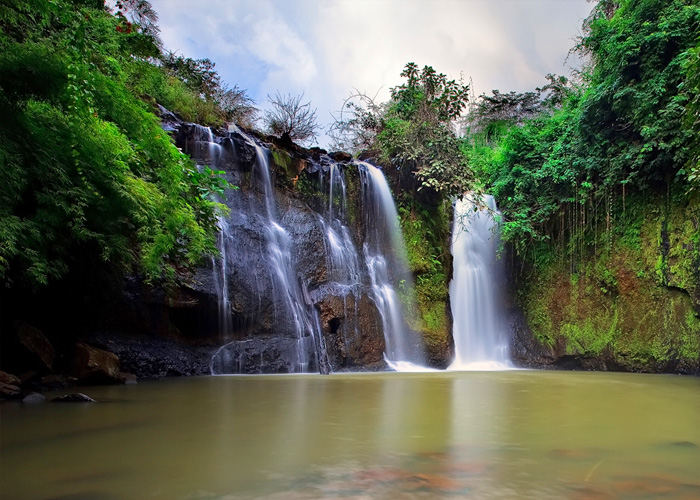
point(289, 116)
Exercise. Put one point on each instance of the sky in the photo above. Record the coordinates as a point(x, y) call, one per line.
point(327, 49)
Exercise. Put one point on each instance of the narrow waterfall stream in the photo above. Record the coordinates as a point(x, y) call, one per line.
point(293, 311)
point(479, 331)
point(387, 262)
point(209, 153)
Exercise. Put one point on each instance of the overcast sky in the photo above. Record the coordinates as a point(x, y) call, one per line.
point(325, 48)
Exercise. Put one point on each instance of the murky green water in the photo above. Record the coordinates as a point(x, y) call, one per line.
point(519, 434)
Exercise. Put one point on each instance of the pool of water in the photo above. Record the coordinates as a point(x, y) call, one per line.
point(501, 435)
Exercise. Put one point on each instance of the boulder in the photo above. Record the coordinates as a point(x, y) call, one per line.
point(9, 386)
point(34, 397)
point(151, 357)
point(269, 354)
point(54, 382)
point(8, 378)
point(340, 156)
point(9, 391)
point(38, 351)
point(95, 366)
point(350, 324)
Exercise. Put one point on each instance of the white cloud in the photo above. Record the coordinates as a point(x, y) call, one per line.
point(325, 48)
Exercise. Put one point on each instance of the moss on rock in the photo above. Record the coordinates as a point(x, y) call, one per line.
point(630, 306)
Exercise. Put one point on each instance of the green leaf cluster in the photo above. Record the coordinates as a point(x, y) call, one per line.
point(90, 180)
point(414, 131)
point(567, 177)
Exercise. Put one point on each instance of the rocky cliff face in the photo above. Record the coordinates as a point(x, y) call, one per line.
point(631, 306)
point(340, 324)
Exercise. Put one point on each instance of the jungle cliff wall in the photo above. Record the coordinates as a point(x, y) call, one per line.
point(631, 302)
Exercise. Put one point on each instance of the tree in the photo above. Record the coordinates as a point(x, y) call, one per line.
point(237, 106)
point(198, 74)
point(290, 117)
point(415, 130)
point(358, 122)
point(90, 180)
point(418, 130)
point(630, 131)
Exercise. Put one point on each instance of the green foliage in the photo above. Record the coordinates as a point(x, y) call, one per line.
point(417, 134)
point(89, 177)
point(596, 189)
point(426, 231)
point(414, 131)
point(692, 114)
point(565, 176)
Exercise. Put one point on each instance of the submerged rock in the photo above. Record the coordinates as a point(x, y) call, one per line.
point(265, 355)
point(77, 397)
point(34, 397)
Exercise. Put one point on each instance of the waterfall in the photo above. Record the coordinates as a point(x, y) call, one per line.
point(386, 260)
point(205, 146)
point(479, 331)
point(208, 152)
point(341, 255)
point(270, 302)
point(293, 309)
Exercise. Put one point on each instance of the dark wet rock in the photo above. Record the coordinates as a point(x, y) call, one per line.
point(77, 397)
point(10, 391)
point(154, 357)
point(8, 378)
point(265, 355)
point(10, 386)
point(308, 247)
point(340, 156)
point(525, 350)
point(34, 397)
point(55, 382)
point(36, 352)
point(95, 366)
point(169, 121)
point(240, 151)
point(351, 325)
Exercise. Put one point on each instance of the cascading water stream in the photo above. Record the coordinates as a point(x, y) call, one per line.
point(386, 259)
point(210, 152)
point(479, 332)
point(293, 310)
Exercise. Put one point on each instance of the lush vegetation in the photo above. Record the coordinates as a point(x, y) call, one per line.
point(414, 132)
point(599, 191)
point(568, 175)
point(90, 180)
point(597, 179)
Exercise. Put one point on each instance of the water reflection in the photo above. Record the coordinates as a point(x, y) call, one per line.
point(514, 434)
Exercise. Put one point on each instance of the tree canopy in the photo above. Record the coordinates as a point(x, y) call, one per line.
point(630, 127)
point(89, 177)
